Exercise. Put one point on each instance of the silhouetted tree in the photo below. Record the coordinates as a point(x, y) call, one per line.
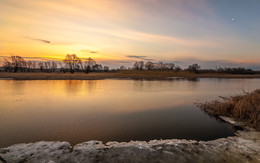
point(29, 66)
point(122, 68)
point(7, 65)
point(194, 68)
point(34, 65)
point(24, 66)
point(14, 63)
point(97, 67)
point(72, 62)
point(149, 65)
point(177, 68)
point(53, 66)
point(239, 70)
point(17, 62)
point(169, 66)
point(47, 66)
point(106, 68)
point(89, 65)
point(155, 66)
point(41, 66)
point(139, 65)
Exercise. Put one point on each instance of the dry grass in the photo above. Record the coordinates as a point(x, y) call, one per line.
point(119, 74)
point(245, 108)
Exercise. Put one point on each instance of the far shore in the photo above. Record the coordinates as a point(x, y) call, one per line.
point(119, 74)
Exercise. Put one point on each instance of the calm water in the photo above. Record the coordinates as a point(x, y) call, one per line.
point(112, 110)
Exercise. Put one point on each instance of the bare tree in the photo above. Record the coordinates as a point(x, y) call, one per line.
point(15, 63)
point(97, 67)
point(47, 66)
point(106, 68)
point(89, 65)
point(177, 68)
point(149, 65)
point(194, 68)
point(72, 62)
point(29, 66)
point(153, 66)
point(139, 65)
point(136, 66)
point(7, 65)
point(122, 68)
point(41, 66)
point(23, 65)
point(168, 66)
point(53, 66)
point(34, 65)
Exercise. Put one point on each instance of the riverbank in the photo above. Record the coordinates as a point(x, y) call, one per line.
point(244, 147)
point(244, 108)
point(119, 74)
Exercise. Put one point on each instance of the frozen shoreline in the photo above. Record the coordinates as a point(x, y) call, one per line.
point(244, 147)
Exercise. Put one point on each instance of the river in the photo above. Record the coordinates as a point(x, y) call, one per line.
point(113, 109)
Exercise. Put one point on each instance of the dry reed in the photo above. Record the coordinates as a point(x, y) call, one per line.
point(244, 108)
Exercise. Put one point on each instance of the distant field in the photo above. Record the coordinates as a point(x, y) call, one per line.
point(120, 74)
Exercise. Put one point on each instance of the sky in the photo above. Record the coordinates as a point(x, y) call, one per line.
point(211, 33)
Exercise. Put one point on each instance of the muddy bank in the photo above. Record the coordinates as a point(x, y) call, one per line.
point(244, 147)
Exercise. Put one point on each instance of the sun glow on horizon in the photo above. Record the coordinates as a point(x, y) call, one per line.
point(116, 30)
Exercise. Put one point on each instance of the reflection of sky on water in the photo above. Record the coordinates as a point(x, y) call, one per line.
point(119, 110)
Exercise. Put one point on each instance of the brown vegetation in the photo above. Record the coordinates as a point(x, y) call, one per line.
point(132, 74)
point(244, 108)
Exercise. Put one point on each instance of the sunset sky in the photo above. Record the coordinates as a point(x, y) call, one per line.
point(120, 32)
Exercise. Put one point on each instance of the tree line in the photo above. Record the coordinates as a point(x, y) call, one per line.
point(195, 68)
point(163, 66)
point(72, 63)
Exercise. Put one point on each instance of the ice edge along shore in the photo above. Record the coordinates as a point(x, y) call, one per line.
point(244, 147)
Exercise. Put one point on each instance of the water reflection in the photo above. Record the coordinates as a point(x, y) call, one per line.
point(120, 110)
point(150, 84)
point(77, 87)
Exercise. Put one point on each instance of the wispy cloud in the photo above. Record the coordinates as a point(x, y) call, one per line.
point(39, 40)
point(140, 57)
point(151, 29)
point(135, 56)
point(146, 37)
point(89, 51)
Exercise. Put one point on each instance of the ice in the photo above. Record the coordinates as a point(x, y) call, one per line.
point(244, 147)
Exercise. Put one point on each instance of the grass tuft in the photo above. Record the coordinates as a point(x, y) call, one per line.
point(244, 108)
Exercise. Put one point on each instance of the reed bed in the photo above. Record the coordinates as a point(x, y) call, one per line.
point(244, 108)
